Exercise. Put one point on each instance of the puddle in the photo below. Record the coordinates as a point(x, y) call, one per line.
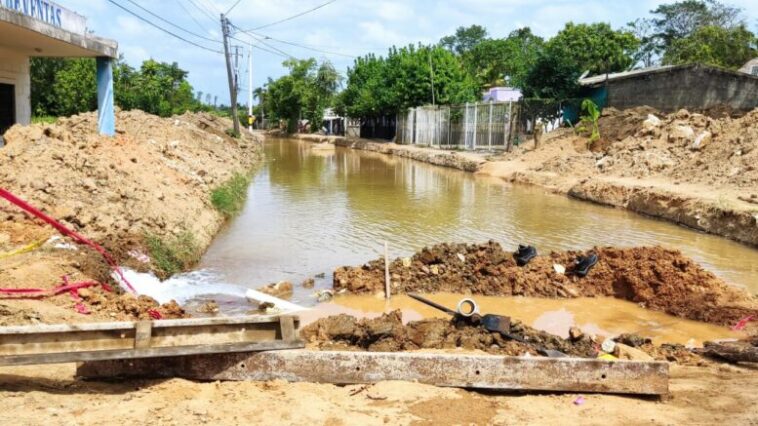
point(600, 316)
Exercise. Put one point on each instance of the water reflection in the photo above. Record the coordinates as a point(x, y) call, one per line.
point(310, 211)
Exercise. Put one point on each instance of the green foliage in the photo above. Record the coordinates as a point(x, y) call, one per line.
point(229, 198)
point(552, 77)
point(464, 39)
point(589, 122)
point(503, 61)
point(45, 119)
point(305, 92)
point(728, 48)
point(693, 31)
point(63, 87)
point(172, 256)
point(379, 86)
point(596, 48)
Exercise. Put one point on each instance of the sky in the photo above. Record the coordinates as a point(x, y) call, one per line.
point(344, 28)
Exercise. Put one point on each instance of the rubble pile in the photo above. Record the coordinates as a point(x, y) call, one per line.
point(656, 278)
point(684, 147)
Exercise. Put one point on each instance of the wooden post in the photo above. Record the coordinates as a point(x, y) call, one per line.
point(387, 290)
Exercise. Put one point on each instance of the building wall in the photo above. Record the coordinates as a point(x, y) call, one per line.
point(692, 88)
point(751, 67)
point(14, 69)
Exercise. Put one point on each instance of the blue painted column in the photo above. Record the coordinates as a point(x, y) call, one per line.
point(106, 115)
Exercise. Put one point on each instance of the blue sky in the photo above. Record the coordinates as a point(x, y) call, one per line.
point(348, 27)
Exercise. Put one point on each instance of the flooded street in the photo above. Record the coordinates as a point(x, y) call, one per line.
point(310, 211)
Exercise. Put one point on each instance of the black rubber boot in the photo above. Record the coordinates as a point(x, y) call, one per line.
point(583, 264)
point(524, 254)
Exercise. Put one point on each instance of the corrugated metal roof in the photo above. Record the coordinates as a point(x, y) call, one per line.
point(598, 79)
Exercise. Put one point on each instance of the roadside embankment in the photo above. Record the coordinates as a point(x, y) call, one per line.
point(653, 277)
point(468, 162)
point(686, 168)
point(147, 195)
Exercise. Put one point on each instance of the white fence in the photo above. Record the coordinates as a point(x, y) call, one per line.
point(471, 126)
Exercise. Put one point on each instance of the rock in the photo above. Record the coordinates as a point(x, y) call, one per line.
point(681, 134)
point(309, 283)
point(559, 269)
point(701, 141)
point(623, 351)
point(575, 333)
point(280, 289)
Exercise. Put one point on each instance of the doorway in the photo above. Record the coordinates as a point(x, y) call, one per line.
point(7, 108)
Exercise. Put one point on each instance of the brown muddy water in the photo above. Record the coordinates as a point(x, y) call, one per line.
point(310, 211)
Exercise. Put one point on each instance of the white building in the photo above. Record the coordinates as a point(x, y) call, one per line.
point(751, 67)
point(30, 28)
point(502, 94)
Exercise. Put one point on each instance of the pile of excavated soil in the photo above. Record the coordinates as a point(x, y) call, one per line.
point(387, 333)
point(683, 147)
point(153, 179)
point(656, 278)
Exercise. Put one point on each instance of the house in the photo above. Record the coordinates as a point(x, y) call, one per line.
point(31, 28)
point(751, 67)
point(670, 88)
point(502, 94)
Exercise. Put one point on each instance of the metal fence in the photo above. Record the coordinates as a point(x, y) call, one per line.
point(472, 126)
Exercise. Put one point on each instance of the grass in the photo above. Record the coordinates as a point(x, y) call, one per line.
point(229, 198)
point(44, 119)
point(173, 256)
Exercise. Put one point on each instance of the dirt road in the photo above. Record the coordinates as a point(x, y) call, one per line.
point(710, 395)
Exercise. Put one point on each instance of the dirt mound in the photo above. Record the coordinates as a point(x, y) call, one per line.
point(654, 277)
point(682, 147)
point(149, 186)
point(387, 333)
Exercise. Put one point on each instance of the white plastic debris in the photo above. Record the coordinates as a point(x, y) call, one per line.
point(559, 269)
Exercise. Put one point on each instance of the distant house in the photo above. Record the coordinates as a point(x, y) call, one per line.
point(751, 67)
point(502, 94)
point(670, 88)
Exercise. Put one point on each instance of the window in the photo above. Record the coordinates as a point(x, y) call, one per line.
point(754, 70)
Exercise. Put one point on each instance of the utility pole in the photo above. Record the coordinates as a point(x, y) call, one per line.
point(232, 85)
point(250, 89)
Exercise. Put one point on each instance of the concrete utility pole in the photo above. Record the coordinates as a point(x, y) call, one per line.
point(250, 89)
point(232, 86)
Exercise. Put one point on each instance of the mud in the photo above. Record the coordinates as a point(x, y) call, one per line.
point(153, 179)
point(387, 333)
point(656, 278)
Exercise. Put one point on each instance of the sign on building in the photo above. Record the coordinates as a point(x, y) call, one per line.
point(48, 12)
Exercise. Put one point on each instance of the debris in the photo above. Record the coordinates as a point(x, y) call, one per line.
point(210, 307)
point(583, 264)
point(324, 295)
point(575, 333)
point(701, 141)
point(608, 346)
point(741, 324)
point(280, 289)
point(623, 351)
point(559, 269)
point(739, 351)
point(309, 283)
point(524, 254)
point(580, 401)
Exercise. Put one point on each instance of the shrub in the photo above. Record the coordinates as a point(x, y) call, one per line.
point(173, 256)
point(229, 198)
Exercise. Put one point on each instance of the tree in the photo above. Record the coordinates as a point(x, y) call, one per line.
point(379, 86)
point(303, 93)
point(552, 77)
point(464, 39)
point(680, 20)
point(503, 61)
point(596, 48)
point(728, 48)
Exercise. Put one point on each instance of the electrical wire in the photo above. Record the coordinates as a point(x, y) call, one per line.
point(305, 46)
point(172, 24)
point(141, 18)
point(289, 18)
point(199, 25)
point(204, 11)
point(260, 40)
point(233, 6)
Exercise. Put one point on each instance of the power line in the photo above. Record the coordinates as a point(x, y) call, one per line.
point(163, 29)
point(233, 6)
point(172, 24)
point(199, 25)
point(260, 40)
point(305, 46)
point(282, 54)
point(293, 16)
point(204, 11)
